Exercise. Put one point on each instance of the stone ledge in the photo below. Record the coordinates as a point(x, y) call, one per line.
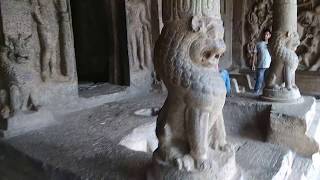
point(292, 125)
point(25, 122)
point(308, 82)
point(264, 161)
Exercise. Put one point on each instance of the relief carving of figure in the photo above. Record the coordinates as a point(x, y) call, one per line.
point(19, 71)
point(4, 109)
point(264, 13)
point(305, 3)
point(66, 47)
point(139, 28)
point(251, 52)
point(190, 124)
point(285, 60)
point(312, 31)
point(258, 19)
point(252, 19)
point(48, 42)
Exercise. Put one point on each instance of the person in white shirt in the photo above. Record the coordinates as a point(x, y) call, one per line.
point(263, 60)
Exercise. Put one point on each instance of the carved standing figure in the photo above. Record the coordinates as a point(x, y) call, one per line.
point(139, 28)
point(67, 53)
point(264, 13)
point(190, 125)
point(252, 53)
point(315, 31)
point(259, 18)
point(48, 43)
point(4, 105)
point(4, 110)
point(305, 29)
point(253, 20)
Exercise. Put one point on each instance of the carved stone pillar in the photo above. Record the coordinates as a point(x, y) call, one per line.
point(190, 126)
point(280, 85)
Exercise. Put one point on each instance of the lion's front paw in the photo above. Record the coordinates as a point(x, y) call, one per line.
point(203, 165)
point(294, 86)
point(188, 163)
point(185, 163)
point(226, 148)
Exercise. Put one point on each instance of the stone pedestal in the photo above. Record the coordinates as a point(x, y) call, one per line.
point(223, 166)
point(296, 126)
point(264, 161)
point(282, 95)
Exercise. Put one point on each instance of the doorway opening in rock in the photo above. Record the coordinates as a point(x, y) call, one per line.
point(100, 42)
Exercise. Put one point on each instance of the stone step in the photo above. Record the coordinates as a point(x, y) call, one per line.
point(262, 161)
point(23, 123)
point(311, 115)
point(314, 129)
point(295, 126)
point(305, 168)
point(265, 161)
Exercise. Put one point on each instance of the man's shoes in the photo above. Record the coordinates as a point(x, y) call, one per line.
point(256, 93)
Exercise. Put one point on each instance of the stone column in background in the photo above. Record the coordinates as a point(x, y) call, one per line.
point(280, 84)
point(190, 126)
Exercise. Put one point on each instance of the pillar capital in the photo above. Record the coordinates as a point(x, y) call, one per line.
point(181, 9)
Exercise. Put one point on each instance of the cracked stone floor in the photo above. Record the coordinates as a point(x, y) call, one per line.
point(84, 144)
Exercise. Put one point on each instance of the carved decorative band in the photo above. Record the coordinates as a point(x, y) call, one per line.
point(279, 2)
point(180, 9)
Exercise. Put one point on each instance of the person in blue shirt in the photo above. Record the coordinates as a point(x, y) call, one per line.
point(263, 60)
point(226, 78)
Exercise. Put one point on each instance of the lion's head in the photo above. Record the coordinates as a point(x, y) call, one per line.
point(188, 53)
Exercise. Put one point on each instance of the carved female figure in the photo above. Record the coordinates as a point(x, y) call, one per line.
point(66, 41)
point(139, 34)
point(253, 21)
point(48, 43)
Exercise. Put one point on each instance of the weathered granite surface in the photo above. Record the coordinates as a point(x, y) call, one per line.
point(296, 126)
point(37, 63)
point(86, 144)
point(280, 83)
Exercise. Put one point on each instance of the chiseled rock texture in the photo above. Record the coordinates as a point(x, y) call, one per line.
point(296, 126)
point(100, 143)
point(190, 126)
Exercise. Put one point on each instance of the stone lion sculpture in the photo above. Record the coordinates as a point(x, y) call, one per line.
point(19, 72)
point(191, 124)
point(285, 61)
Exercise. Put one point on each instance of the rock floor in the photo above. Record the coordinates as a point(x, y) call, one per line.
point(84, 144)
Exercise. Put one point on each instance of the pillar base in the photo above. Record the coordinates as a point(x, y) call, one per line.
point(296, 126)
point(223, 167)
point(282, 95)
